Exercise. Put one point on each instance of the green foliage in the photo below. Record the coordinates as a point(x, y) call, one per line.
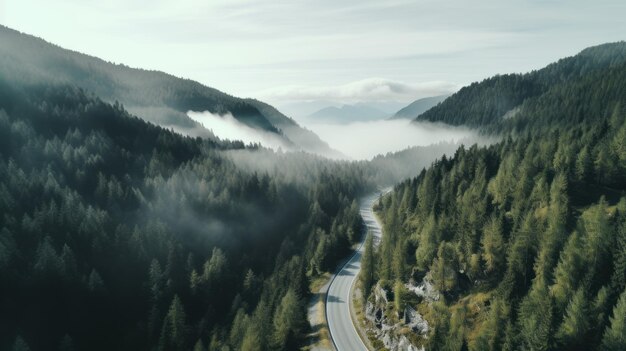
point(493, 245)
point(500, 100)
point(445, 267)
point(572, 334)
point(288, 321)
point(105, 215)
point(614, 337)
point(368, 267)
point(174, 331)
point(535, 221)
point(535, 319)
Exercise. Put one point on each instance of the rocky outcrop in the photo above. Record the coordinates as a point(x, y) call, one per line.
point(424, 290)
point(392, 330)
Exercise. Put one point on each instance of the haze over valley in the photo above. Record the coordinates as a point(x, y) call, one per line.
point(314, 176)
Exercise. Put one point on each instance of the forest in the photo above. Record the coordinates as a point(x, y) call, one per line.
point(525, 239)
point(117, 234)
point(157, 97)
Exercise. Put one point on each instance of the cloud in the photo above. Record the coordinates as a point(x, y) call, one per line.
point(228, 128)
point(372, 89)
point(364, 140)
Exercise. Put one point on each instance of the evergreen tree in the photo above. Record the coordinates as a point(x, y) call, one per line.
point(174, 330)
point(493, 245)
point(289, 321)
point(368, 266)
point(444, 270)
point(573, 330)
point(614, 337)
point(535, 319)
point(252, 340)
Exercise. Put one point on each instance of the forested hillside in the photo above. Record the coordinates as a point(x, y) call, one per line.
point(418, 107)
point(154, 96)
point(119, 235)
point(497, 99)
point(524, 240)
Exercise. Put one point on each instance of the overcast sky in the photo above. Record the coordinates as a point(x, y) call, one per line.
point(284, 51)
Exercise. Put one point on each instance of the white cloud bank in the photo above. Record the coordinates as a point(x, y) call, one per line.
point(371, 89)
point(226, 127)
point(357, 141)
point(364, 140)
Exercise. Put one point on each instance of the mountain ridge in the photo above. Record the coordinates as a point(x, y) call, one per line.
point(348, 114)
point(155, 96)
point(419, 106)
point(484, 103)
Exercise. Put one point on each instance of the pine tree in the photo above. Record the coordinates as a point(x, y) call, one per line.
point(493, 245)
point(199, 346)
point(427, 244)
point(289, 321)
point(252, 340)
point(174, 330)
point(584, 165)
point(399, 295)
point(568, 270)
point(444, 270)
point(368, 267)
point(95, 283)
point(492, 330)
point(574, 328)
point(535, 319)
point(618, 278)
point(614, 337)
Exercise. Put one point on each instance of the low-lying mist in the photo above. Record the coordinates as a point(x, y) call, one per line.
point(229, 128)
point(364, 140)
point(356, 141)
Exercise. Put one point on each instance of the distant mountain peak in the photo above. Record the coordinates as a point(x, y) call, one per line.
point(418, 107)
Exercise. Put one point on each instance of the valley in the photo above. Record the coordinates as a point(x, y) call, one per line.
point(380, 181)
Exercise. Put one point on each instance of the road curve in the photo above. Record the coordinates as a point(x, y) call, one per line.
point(342, 331)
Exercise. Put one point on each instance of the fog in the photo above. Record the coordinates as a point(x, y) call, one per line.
point(226, 127)
point(364, 140)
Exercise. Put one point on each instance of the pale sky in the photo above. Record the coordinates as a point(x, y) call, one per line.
point(351, 50)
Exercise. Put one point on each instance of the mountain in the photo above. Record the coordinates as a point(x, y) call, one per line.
point(348, 114)
point(522, 243)
point(418, 107)
point(302, 109)
point(497, 99)
point(117, 234)
point(154, 96)
point(301, 136)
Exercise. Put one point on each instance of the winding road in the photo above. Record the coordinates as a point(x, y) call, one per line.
point(342, 331)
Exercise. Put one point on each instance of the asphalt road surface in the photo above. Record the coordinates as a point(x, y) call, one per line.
point(342, 331)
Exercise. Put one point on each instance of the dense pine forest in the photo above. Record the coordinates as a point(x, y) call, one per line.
point(117, 234)
point(524, 240)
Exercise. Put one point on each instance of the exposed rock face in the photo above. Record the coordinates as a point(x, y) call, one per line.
point(424, 289)
point(387, 330)
point(414, 320)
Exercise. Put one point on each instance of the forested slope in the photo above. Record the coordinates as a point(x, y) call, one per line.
point(418, 107)
point(154, 96)
point(493, 101)
point(117, 234)
point(525, 240)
